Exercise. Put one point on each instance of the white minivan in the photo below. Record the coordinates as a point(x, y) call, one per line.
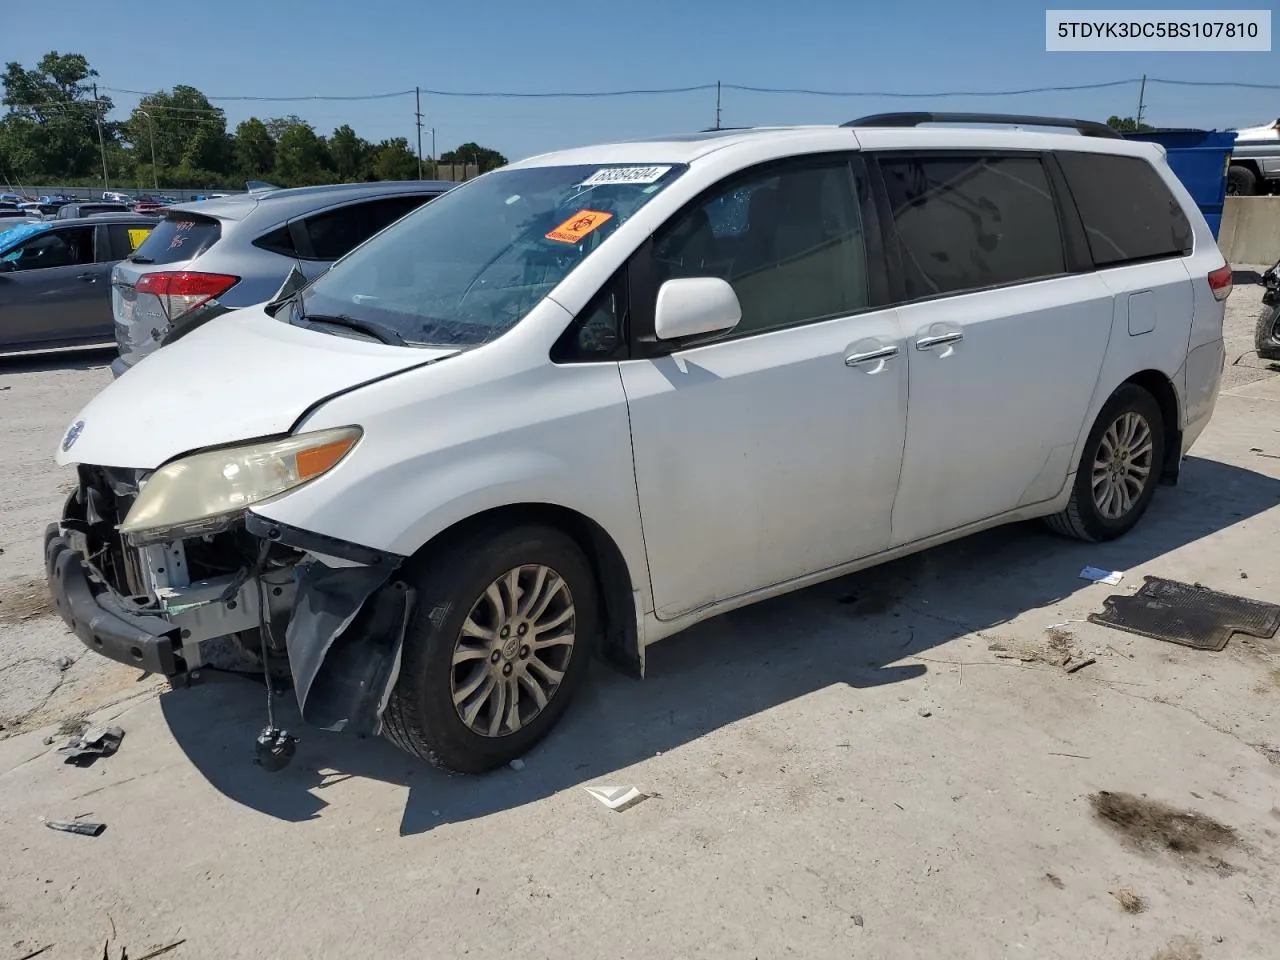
point(587, 400)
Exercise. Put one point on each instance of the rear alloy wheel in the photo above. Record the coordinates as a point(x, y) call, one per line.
point(504, 630)
point(1120, 468)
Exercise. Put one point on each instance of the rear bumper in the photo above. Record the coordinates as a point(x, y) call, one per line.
point(100, 619)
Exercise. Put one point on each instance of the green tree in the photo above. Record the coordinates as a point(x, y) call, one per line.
point(184, 128)
point(471, 152)
point(52, 123)
point(393, 160)
point(255, 149)
point(301, 156)
point(350, 154)
point(1128, 125)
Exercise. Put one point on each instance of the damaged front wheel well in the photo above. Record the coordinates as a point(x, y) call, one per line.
point(621, 643)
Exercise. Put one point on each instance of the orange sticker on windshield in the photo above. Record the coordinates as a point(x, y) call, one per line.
point(579, 225)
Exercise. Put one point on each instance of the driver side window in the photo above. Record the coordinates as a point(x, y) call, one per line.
point(789, 240)
point(55, 248)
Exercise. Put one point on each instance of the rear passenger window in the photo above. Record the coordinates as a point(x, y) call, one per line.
point(180, 236)
point(964, 223)
point(788, 241)
point(279, 241)
point(1128, 212)
point(334, 233)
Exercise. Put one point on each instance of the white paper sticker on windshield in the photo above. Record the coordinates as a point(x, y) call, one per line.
point(625, 175)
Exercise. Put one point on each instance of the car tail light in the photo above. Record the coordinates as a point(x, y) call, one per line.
point(1220, 282)
point(181, 292)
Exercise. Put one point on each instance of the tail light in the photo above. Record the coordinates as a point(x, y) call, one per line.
point(181, 292)
point(1220, 282)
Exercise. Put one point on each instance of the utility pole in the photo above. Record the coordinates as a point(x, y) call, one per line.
point(417, 99)
point(102, 146)
point(155, 171)
point(717, 104)
point(1142, 94)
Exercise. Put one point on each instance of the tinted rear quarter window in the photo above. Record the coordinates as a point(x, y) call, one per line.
point(180, 236)
point(964, 223)
point(334, 233)
point(1128, 212)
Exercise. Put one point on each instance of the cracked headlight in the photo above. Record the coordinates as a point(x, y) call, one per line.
point(200, 493)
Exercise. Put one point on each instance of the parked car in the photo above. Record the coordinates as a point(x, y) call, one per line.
point(211, 256)
point(88, 208)
point(597, 396)
point(55, 279)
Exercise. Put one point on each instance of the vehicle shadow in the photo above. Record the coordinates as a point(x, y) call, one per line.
point(67, 358)
point(858, 630)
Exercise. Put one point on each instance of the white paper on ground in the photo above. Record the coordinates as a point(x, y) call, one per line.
point(614, 797)
point(1098, 575)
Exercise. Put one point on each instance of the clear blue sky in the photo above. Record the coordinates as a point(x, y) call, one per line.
point(327, 48)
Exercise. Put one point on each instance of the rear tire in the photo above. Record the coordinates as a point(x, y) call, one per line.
point(486, 669)
point(1266, 337)
point(1119, 468)
point(1241, 181)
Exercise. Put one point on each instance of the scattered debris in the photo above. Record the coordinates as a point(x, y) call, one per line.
point(925, 712)
point(618, 798)
point(1151, 826)
point(1074, 756)
point(1179, 948)
point(857, 919)
point(1271, 753)
point(1129, 901)
point(1098, 575)
point(997, 647)
point(516, 764)
point(165, 949)
point(1071, 666)
point(63, 662)
point(1055, 881)
point(72, 726)
point(47, 946)
point(86, 827)
point(1190, 615)
point(84, 749)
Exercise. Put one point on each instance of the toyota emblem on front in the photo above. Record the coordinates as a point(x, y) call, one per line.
point(73, 435)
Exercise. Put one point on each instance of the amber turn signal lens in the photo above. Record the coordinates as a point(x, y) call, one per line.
point(313, 462)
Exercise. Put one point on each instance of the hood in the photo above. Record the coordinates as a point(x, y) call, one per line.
point(240, 377)
point(1268, 131)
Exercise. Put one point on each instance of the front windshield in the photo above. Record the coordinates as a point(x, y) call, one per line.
point(468, 266)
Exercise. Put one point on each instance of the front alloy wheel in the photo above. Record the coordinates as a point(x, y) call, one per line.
point(513, 650)
point(503, 630)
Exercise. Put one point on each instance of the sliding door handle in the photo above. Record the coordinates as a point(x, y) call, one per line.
point(925, 343)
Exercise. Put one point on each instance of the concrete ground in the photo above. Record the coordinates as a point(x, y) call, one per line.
point(889, 765)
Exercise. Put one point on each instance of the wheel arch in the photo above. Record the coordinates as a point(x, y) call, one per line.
point(622, 643)
point(1161, 387)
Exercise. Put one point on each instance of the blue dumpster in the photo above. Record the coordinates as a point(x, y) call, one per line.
point(1199, 158)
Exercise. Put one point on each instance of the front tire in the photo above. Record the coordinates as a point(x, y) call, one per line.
point(1241, 181)
point(1266, 336)
point(502, 637)
point(1119, 469)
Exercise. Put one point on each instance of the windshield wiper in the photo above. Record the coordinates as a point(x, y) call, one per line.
point(137, 259)
point(369, 328)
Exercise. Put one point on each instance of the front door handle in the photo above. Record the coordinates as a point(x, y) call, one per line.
point(87, 277)
point(925, 343)
point(870, 356)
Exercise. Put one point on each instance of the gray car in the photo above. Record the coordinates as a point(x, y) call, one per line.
point(89, 208)
point(211, 256)
point(55, 278)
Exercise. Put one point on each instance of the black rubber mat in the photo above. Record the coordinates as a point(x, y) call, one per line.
point(1187, 614)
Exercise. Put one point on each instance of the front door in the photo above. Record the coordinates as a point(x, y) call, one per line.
point(51, 289)
point(1004, 346)
point(772, 451)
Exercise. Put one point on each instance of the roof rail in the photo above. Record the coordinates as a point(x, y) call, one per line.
point(1087, 128)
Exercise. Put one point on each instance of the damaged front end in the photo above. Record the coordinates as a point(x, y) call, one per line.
point(334, 611)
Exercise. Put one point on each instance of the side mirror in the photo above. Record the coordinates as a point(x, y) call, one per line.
point(692, 306)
